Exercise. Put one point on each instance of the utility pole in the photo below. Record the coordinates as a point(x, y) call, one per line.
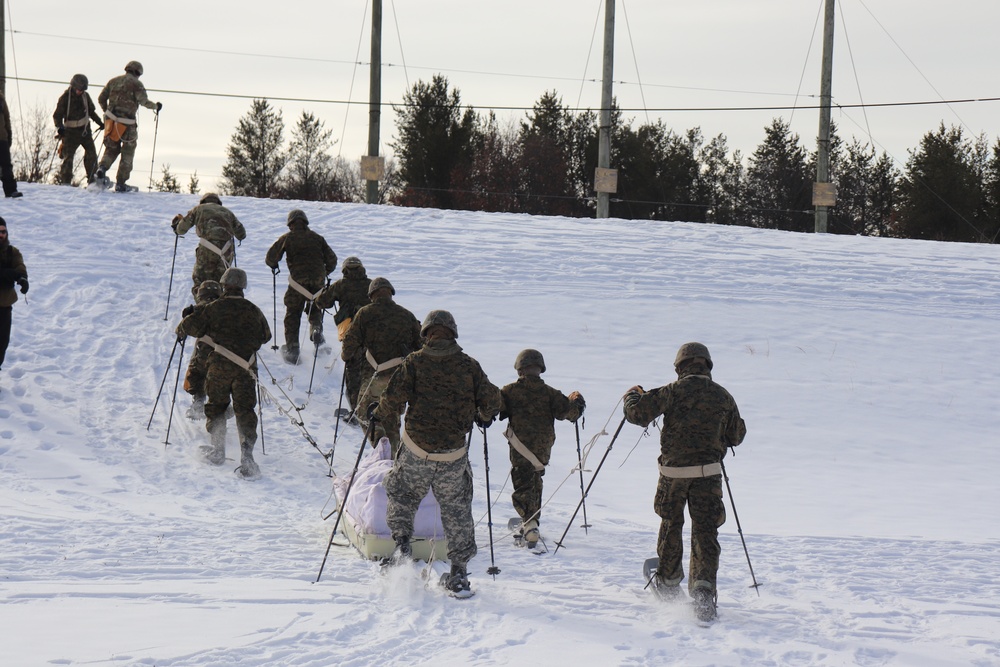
point(605, 178)
point(372, 168)
point(824, 193)
point(3, 47)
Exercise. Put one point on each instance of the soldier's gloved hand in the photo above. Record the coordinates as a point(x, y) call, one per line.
point(181, 336)
point(501, 416)
point(577, 399)
point(636, 390)
point(275, 270)
point(159, 105)
point(187, 310)
point(483, 423)
point(23, 282)
point(176, 221)
point(61, 131)
point(370, 412)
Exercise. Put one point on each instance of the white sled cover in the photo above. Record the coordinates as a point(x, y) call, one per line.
point(364, 515)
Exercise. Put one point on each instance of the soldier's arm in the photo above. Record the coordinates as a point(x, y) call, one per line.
point(352, 343)
point(562, 407)
point(60, 113)
point(195, 324)
point(143, 99)
point(239, 231)
point(397, 393)
point(643, 407)
point(93, 112)
point(329, 258)
point(186, 222)
point(265, 329)
point(275, 253)
point(736, 428)
point(488, 398)
point(102, 98)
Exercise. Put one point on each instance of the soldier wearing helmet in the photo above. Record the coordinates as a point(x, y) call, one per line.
point(74, 111)
point(218, 231)
point(120, 99)
point(310, 260)
point(237, 329)
point(350, 293)
point(532, 406)
point(379, 338)
point(700, 420)
point(443, 392)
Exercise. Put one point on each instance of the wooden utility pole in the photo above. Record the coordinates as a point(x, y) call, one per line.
point(3, 48)
point(824, 193)
point(371, 168)
point(605, 179)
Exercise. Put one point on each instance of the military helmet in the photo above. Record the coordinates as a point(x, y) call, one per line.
point(210, 198)
point(135, 67)
point(527, 358)
point(352, 262)
point(692, 351)
point(234, 278)
point(380, 283)
point(79, 82)
point(442, 317)
point(209, 290)
point(297, 214)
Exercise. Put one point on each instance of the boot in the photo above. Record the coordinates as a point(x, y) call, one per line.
point(457, 581)
point(216, 452)
point(197, 409)
point(530, 529)
point(248, 467)
point(404, 550)
point(704, 603)
point(290, 354)
point(666, 590)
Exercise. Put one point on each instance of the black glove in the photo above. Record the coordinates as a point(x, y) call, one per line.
point(159, 105)
point(275, 270)
point(370, 412)
point(502, 416)
point(483, 423)
point(187, 310)
point(61, 132)
point(181, 337)
point(23, 282)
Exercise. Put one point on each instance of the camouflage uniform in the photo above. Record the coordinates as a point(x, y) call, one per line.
point(6, 140)
point(351, 294)
point(194, 377)
point(310, 260)
point(12, 270)
point(700, 419)
point(74, 111)
point(239, 326)
point(216, 224)
point(532, 408)
point(442, 389)
point(120, 99)
point(387, 331)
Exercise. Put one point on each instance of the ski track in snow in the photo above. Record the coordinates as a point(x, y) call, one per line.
point(137, 552)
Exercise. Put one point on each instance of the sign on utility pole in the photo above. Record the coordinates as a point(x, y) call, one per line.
point(605, 183)
point(824, 193)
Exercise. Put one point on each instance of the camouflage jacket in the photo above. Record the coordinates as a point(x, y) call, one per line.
point(532, 408)
point(442, 389)
point(309, 257)
point(231, 321)
point(11, 268)
point(123, 95)
point(350, 293)
point(5, 132)
point(700, 418)
point(212, 222)
point(78, 109)
point(385, 329)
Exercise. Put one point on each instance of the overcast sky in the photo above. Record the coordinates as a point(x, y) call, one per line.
point(708, 54)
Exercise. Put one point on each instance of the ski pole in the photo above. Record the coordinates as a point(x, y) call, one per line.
point(587, 491)
point(739, 528)
point(260, 415)
point(166, 371)
point(170, 286)
point(152, 159)
point(340, 403)
point(274, 302)
point(583, 495)
point(170, 420)
point(493, 569)
point(347, 493)
point(312, 373)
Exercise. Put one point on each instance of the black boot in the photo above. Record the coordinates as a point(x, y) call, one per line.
point(457, 581)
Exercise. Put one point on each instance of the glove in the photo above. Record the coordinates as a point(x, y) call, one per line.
point(636, 389)
point(159, 105)
point(187, 310)
point(61, 132)
point(176, 221)
point(370, 412)
point(23, 282)
point(181, 337)
point(275, 270)
point(502, 416)
point(577, 400)
point(483, 423)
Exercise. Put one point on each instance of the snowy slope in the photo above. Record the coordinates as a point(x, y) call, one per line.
point(865, 370)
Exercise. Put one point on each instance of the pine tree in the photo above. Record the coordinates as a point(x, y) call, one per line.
point(778, 185)
point(255, 157)
point(168, 183)
point(310, 172)
point(193, 185)
point(721, 182)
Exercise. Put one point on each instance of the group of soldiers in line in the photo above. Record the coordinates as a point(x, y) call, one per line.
point(410, 382)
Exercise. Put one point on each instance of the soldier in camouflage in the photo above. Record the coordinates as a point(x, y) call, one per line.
point(194, 378)
point(120, 99)
point(72, 117)
point(237, 329)
point(310, 260)
point(217, 229)
point(700, 419)
point(380, 336)
point(350, 293)
point(6, 141)
point(443, 391)
point(532, 407)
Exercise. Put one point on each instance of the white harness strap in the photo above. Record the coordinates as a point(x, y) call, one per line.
point(302, 290)
point(522, 449)
point(123, 121)
point(221, 252)
point(86, 112)
point(687, 472)
point(385, 365)
point(228, 354)
point(441, 457)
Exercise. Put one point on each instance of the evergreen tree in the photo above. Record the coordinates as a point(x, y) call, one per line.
point(193, 185)
point(866, 192)
point(255, 158)
point(434, 139)
point(778, 185)
point(657, 174)
point(721, 182)
point(310, 171)
point(492, 180)
point(168, 182)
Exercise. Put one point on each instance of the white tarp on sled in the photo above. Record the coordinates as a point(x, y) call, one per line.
point(363, 518)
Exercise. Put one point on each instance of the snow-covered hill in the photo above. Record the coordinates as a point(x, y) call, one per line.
point(865, 369)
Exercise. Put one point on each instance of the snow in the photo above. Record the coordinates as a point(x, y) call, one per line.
point(865, 369)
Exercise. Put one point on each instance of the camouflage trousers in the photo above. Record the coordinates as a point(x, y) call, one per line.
point(703, 497)
point(73, 139)
point(407, 484)
point(527, 494)
point(207, 266)
point(353, 373)
point(371, 391)
point(194, 377)
point(295, 303)
point(225, 380)
point(125, 148)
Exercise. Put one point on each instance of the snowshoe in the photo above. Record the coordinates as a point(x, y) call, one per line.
point(197, 409)
point(522, 537)
point(456, 582)
point(101, 182)
point(123, 187)
point(666, 592)
point(290, 354)
point(402, 554)
point(703, 600)
point(215, 453)
point(248, 467)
